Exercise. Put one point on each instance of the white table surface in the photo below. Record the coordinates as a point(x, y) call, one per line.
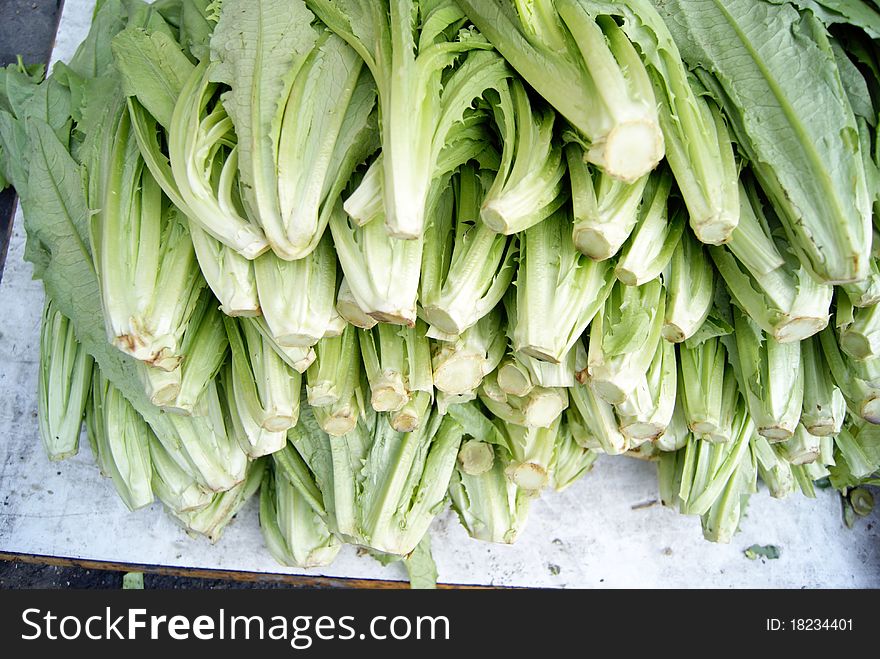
point(588, 536)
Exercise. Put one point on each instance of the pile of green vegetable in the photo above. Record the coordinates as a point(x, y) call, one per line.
point(370, 257)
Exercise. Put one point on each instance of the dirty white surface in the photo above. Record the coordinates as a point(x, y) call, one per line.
point(589, 536)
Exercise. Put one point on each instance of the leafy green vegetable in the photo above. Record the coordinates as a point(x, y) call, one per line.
point(773, 71)
point(120, 439)
point(555, 281)
point(334, 383)
point(382, 488)
point(408, 46)
point(295, 533)
point(698, 146)
point(605, 209)
point(528, 186)
point(586, 69)
point(63, 386)
point(624, 338)
point(466, 267)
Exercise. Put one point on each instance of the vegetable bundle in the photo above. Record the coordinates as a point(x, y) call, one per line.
point(371, 257)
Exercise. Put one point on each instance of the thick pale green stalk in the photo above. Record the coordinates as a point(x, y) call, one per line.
point(407, 46)
point(514, 378)
point(858, 445)
point(555, 281)
point(690, 290)
point(161, 387)
point(198, 134)
point(657, 234)
point(803, 448)
point(766, 280)
point(540, 408)
point(648, 412)
point(701, 157)
point(397, 364)
point(677, 433)
point(461, 363)
point(707, 388)
point(466, 266)
point(771, 377)
point(698, 146)
point(175, 487)
point(382, 488)
point(584, 66)
point(229, 274)
point(475, 457)
point(205, 347)
point(490, 506)
point(122, 439)
point(382, 272)
point(415, 412)
point(143, 254)
point(207, 444)
point(605, 209)
point(211, 520)
point(326, 131)
point(858, 329)
point(824, 408)
point(532, 452)
point(528, 186)
point(708, 475)
point(623, 339)
point(255, 440)
point(593, 422)
point(298, 297)
point(445, 402)
point(722, 520)
point(263, 391)
point(571, 461)
point(348, 307)
point(547, 374)
point(774, 469)
point(333, 384)
point(859, 388)
point(266, 53)
point(295, 534)
point(298, 358)
point(63, 385)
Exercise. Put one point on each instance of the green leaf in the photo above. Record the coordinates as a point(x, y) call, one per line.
point(93, 58)
point(421, 567)
point(195, 28)
point(153, 68)
point(770, 552)
point(17, 86)
point(133, 581)
point(773, 71)
point(56, 217)
point(257, 48)
point(14, 152)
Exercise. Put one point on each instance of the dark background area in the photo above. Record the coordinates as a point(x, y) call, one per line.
point(16, 574)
